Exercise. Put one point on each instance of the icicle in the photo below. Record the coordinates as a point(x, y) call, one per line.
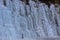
point(28, 10)
point(30, 27)
point(24, 27)
point(8, 30)
point(17, 24)
point(34, 13)
point(22, 9)
point(47, 26)
point(40, 27)
point(58, 19)
point(8, 4)
point(53, 11)
point(16, 14)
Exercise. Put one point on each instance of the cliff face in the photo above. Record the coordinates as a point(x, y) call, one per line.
point(19, 20)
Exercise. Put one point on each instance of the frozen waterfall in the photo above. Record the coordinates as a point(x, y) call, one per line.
point(19, 20)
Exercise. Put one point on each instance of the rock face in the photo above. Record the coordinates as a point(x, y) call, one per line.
point(19, 20)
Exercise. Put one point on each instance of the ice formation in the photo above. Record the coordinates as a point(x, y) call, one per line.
point(19, 20)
